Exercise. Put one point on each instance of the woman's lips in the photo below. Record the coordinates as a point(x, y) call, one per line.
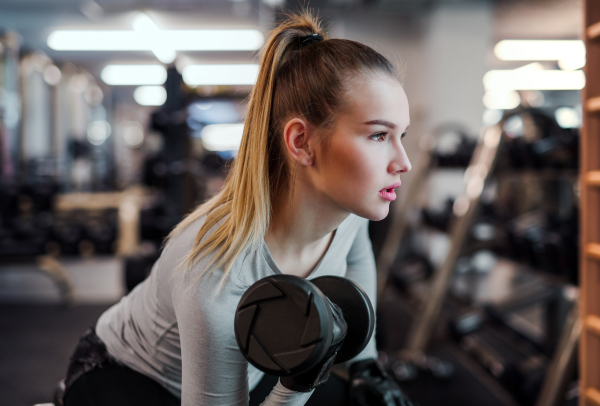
point(388, 192)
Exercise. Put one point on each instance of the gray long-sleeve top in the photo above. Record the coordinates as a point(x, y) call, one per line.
point(179, 330)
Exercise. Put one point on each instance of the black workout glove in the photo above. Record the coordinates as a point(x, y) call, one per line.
point(371, 386)
point(319, 374)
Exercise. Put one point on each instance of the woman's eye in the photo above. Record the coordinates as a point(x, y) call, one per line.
point(403, 135)
point(378, 136)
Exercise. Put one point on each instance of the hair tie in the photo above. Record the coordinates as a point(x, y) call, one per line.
point(309, 39)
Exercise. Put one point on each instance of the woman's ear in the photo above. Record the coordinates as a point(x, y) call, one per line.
point(297, 136)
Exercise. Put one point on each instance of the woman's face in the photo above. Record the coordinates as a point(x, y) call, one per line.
point(360, 164)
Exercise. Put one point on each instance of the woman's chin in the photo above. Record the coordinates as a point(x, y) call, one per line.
point(375, 215)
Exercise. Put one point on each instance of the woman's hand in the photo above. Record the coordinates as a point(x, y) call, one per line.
point(371, 386)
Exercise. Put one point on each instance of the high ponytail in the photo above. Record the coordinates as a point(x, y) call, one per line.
point(292, 81)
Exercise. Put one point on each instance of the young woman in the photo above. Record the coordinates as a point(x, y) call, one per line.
point(321, 155)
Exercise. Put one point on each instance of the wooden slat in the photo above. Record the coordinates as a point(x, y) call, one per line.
point(592, 105)
point(592, 178)
point(592, 395)
point(593, 31)
point(592, 324)
point(592, 251)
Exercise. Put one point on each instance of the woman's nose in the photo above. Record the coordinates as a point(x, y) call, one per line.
point(400, 163)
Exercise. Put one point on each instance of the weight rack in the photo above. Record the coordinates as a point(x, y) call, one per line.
point(589, 354)
point(465, 211)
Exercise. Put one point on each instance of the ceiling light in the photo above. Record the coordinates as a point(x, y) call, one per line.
point(241, 74)
point(222, 137)
point(178, 40)
point(150, 95)
point(96, 40)
point(134, 75)
point(506, 80)
point(539, 50)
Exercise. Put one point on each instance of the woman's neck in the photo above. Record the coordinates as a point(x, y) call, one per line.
point(301, 229)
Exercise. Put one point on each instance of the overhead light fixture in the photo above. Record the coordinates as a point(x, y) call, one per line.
point(539, 50)
point(150, 95)
point(530, 79)
point(241, 74)
point(147, 36)
point(222, 137)
point(134, 75)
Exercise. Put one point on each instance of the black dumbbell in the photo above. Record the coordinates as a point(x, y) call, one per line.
point(286, 326)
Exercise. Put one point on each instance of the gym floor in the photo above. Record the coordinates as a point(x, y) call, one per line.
point(37, 340)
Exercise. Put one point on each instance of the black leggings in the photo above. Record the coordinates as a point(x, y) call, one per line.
point(95, 378)
point(122, 386)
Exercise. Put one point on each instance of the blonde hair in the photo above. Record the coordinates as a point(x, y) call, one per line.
point(293, 81)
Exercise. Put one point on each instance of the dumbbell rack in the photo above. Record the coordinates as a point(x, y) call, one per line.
point(465, 211)
point(590, 213)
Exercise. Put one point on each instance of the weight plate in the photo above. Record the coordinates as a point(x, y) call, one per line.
point(357, 309)
point(283, 325)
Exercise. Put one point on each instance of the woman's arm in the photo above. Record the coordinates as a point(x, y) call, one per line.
point(361, 270)
point(214, 371)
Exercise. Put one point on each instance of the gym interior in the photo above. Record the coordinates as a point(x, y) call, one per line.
point(118, 118)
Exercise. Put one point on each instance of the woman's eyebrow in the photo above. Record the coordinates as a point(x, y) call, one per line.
point(382, 122)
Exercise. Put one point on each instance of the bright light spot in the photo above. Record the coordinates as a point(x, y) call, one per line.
point(484, 261)
point(222, 137)
point(134, 75)
point(567, 117)
point(203, 106)
point(492, 117)
point(98, 132)
point(150, 95)
point(178, 40)
point(52, 75)
point(514, 127)
point(539, 50)
point(501, 100)
point(241, 74)
point(133, 134)
point(506, 80)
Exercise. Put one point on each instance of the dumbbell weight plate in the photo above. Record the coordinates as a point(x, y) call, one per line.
point(357, 309)
point(283, 325)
